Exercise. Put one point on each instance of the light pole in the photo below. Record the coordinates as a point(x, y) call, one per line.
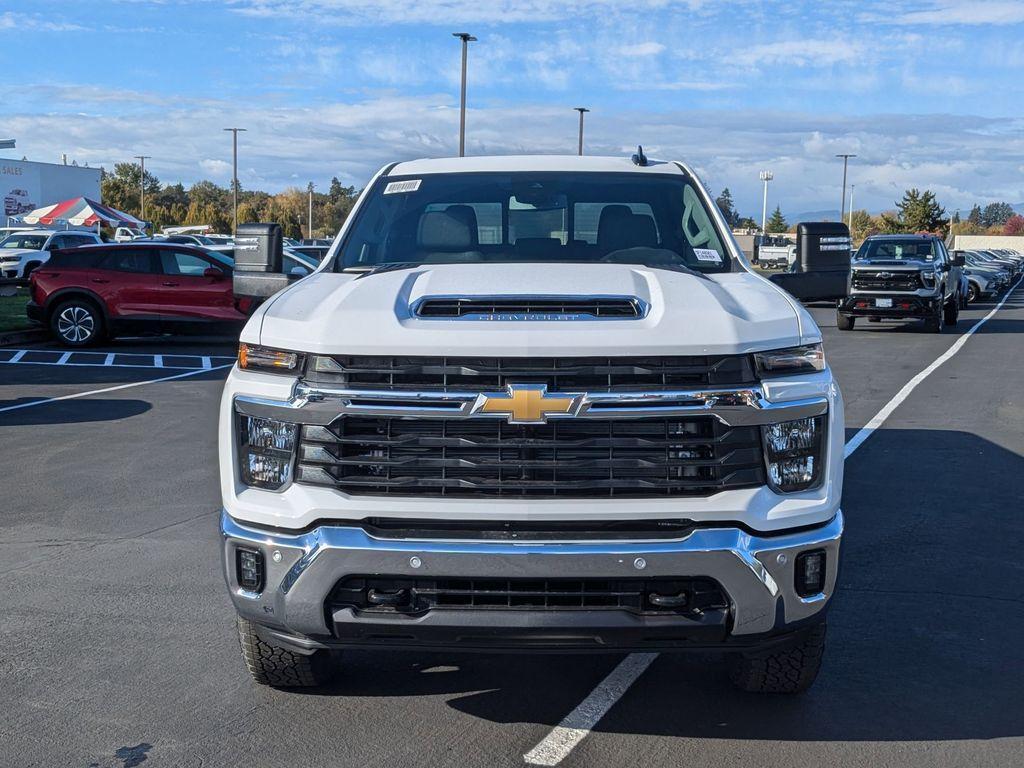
point(310, 190)
point(466, 40)
point(234, 177)
point(849, 220)
point(842, 209)
point(582, 111)
point(142, 186)
point(765, 176)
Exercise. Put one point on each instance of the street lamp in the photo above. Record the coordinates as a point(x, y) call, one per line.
point(310, 190)
point(581, 110)
point(765, 176)
point(142, 186)
point(234, 176)
point(466, 40)
point(849, 219)
point(842, 210)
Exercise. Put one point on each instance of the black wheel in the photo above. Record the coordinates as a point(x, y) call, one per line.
point(973, 294)
point(951, 313)
point(933, 324)
point(790, 669)
point(845, 322)
point(271, 664)
point(77, 323)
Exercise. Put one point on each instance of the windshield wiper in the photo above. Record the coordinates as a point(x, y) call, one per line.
point(390, 266)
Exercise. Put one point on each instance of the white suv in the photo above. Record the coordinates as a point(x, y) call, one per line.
point(21, 252)
point(532, 403)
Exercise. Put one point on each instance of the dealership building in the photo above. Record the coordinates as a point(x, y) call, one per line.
point(26, 185)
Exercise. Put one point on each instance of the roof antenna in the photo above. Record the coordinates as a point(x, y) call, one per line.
point(639, 158)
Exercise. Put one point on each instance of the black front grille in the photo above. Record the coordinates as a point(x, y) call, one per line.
point(402, 595)
point(610, 307)
point(560, 374)
point(376, 455)
point(883, 280)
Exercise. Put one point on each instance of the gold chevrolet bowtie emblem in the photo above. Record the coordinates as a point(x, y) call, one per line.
point(527, 404)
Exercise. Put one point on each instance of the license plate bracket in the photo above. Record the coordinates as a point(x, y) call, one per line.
point(883, 303)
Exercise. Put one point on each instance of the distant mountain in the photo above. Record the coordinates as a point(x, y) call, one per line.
point(832, 215)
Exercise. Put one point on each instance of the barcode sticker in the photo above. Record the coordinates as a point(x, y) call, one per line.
point(396, 187)
point(707, 254)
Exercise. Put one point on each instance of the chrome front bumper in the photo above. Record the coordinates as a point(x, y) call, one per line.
point(301, 570)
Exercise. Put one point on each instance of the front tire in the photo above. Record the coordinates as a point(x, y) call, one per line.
point(951, 313)
point(77, 323)
point(845, 322)
point(792, 669)
point(280, 667)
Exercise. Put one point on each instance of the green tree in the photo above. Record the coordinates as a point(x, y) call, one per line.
point(728, 209)
point(920, 212)
point(860, 224)
point(996, 214)
point(120, 189)
point(777, 222)
point(975, 216)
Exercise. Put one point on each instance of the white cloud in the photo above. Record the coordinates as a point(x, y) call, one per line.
point(955, 12)
point(650, 48)
point(803, 52)
point(36, 22)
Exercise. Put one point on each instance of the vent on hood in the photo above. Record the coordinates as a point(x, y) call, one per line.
point(512, 308)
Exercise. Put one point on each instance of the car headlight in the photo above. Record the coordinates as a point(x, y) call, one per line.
point(794, 453)
point(784, 362)
point(928, 278)
point(255, 358)
point(266, 451)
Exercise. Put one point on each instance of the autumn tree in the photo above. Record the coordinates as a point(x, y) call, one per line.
point(1014, 225)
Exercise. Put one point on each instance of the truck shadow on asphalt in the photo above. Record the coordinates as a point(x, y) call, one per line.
point(70, 411)
point(924, 633)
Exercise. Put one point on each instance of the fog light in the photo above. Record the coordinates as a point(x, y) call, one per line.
point(249, 566)
point(810, 573)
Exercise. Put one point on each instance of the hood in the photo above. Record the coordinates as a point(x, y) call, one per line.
point(904, 265)
point(687, 315)
point(17, 253)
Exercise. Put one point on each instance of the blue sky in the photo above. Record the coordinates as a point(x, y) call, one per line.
point(928, 93)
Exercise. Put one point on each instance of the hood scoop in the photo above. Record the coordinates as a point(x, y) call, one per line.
point(525, 308)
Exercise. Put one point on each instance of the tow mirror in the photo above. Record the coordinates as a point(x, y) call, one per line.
point(958, 259)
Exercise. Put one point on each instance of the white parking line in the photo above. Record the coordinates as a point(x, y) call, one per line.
point(557, 745)
point(111, 389)
point(75, 359)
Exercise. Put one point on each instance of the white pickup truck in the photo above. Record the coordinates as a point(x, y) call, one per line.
point(534, 403)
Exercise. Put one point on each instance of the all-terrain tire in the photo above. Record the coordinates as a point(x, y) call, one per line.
point(951, 313)
point(273, 665)
point(933, 324)
point(790, 669)
point(845, 322)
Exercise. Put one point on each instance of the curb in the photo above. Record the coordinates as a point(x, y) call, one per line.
point(29, 336)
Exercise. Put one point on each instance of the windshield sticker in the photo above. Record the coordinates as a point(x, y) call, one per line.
point(396, 187)
point(707, 254)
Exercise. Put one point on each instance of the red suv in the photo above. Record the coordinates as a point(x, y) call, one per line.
point(89, 293)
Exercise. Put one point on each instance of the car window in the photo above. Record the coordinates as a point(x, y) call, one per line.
point(129, 260)
point(182, 263)
point(22, 240)
point(587, 218)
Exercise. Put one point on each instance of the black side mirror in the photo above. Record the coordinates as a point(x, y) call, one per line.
point(958, 259)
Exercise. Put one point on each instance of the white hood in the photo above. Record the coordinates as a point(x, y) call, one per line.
point(689, 315)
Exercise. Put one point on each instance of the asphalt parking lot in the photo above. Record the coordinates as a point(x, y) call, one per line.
point(119, 636)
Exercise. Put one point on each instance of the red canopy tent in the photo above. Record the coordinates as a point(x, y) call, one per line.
point(81, 212)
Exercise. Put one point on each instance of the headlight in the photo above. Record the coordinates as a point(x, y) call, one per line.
point(266, 451)
point(784, 362)
point(254, 358)
point(928, 278)
point(794, 452)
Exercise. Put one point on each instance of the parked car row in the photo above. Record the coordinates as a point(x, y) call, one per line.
point(94, 292)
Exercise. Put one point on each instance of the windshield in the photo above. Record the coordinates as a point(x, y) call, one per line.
point(20, 240)
point(897, 250)
point(535, 217)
